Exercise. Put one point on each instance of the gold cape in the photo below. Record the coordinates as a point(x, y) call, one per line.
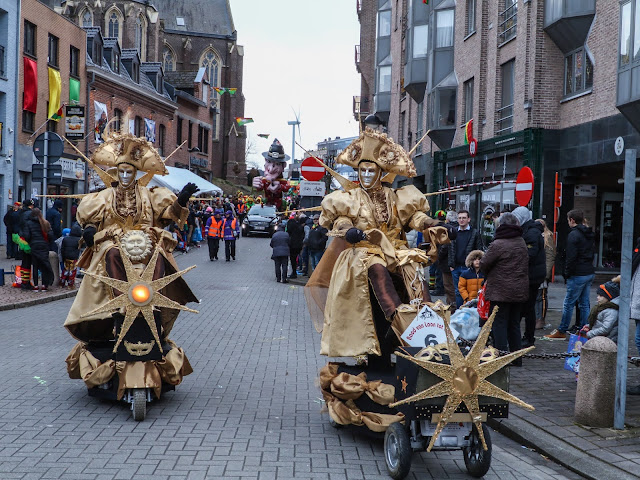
point(156, 208)
point(349, 328)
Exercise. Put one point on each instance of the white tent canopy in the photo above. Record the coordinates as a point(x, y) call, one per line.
point(179, 177)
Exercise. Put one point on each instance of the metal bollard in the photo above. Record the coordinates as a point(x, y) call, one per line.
point(596, 392)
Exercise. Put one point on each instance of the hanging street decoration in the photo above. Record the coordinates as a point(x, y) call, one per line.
point(223, 90)
point(263, 135)
point(242, 121)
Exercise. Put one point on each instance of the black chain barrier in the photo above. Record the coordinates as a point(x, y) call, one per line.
point(545, 356)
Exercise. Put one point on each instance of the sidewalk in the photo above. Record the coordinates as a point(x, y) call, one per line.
point(11, 298)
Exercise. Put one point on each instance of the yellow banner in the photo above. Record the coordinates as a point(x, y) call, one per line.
point(55, 87)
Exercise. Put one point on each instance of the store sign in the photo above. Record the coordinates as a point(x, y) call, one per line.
point(585, 191)
point(72, 169)
point(74, 121)
point(199, 162)
point(312, 189)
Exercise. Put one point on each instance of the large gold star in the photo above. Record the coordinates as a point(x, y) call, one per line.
point(464, 379)
point(140, 295)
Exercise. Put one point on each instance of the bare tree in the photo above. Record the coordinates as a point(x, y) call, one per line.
point(251, 149)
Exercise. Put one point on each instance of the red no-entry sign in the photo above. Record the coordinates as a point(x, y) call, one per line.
point(311, 170)
point(524, 186)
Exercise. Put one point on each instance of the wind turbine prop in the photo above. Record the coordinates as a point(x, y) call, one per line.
point(293, 124)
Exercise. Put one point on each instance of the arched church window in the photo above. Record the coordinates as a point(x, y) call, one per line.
point(86, 19)
point(114, 24)
point(211, 62)
point(141, 37)
point(168, 59)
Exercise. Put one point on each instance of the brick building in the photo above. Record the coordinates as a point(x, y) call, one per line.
point(175, 40)
point(538, 79)
point(48, 41)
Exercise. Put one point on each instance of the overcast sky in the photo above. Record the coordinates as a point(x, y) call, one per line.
point(298, 55)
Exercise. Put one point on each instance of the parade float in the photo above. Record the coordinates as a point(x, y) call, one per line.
point(369, 299)
point(132, 290)
point(272, 185)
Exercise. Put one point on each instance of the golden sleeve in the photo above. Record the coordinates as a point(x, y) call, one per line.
point(339, 211)
point(413, 208)
point(165, 206)
point(91, 210)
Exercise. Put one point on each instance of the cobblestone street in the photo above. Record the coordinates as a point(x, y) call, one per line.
point(250, 410)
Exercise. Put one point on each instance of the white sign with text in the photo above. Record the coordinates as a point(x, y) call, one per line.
point(312, 189)
point(426, 330)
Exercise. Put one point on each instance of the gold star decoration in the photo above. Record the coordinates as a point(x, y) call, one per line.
point(464, 379)
point(141, 294)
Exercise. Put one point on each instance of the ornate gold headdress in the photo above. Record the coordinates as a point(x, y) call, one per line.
point(378, 148)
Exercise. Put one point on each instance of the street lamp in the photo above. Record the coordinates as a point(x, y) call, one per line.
point(374, 122)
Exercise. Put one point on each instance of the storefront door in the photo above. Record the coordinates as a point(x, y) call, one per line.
point(610, 231)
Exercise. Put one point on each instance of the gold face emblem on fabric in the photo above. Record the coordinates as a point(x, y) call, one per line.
point(139, 349)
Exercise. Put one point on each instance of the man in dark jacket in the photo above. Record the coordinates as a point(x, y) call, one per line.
point(443, 262)
point(296, 236)
point(280, 255)
point(578, 272)
point(532, 232)
point(317, 242)
point(12, 222)
point(54, 217)
point(468, 239)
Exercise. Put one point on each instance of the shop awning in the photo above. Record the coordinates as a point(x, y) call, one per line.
point(179, 177)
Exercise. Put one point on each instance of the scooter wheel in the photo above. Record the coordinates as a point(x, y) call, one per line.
point(139, 404)
point(397, 451)
point(477, 459)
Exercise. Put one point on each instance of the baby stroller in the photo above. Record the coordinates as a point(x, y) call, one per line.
point(179, 237)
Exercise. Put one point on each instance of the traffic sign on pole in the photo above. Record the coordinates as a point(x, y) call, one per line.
point(48, 144)
point(524, 186)
point(311, 170)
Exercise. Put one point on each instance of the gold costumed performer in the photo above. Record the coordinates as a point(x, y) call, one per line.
point(132, 287)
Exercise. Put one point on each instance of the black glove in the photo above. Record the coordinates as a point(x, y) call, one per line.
point(88, 234)
point(451, 230)
point(355, 235)
point(187, 191)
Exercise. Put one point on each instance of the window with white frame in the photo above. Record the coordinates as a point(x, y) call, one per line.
point(470, 20)
point(629, 32)
point(504, 115)
point(578, 72)
point(384, 23)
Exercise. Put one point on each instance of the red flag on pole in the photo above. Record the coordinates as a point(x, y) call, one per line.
point(30, 99)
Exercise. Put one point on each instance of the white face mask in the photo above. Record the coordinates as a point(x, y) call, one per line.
point(369, 174)
point(126, 174)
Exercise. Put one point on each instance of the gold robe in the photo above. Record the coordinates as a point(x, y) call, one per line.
point(155, 209)
point(349, 328)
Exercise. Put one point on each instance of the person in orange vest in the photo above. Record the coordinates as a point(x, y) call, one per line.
point(241, 209)
point(230, 232)
point(213, 232)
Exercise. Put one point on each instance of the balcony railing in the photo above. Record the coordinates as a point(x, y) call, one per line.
point(504, 120)
point(508, 23)
point(357, 58)
point(2, 67)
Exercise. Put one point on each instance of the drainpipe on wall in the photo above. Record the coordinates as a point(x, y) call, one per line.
point(15, 110)
point(225, 138)
point(86, 139)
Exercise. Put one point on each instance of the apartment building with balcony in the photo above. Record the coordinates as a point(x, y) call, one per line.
point(549, 84)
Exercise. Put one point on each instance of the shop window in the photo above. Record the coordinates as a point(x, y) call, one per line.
point(444, 28)
point(420, 41)
point(507, 22)
point(495, 201)
point(29, 38)
point(504, 114)
point(28, 120)
point(468, 100)
point(578, 72)
point(384, 79)
point(470, 21)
